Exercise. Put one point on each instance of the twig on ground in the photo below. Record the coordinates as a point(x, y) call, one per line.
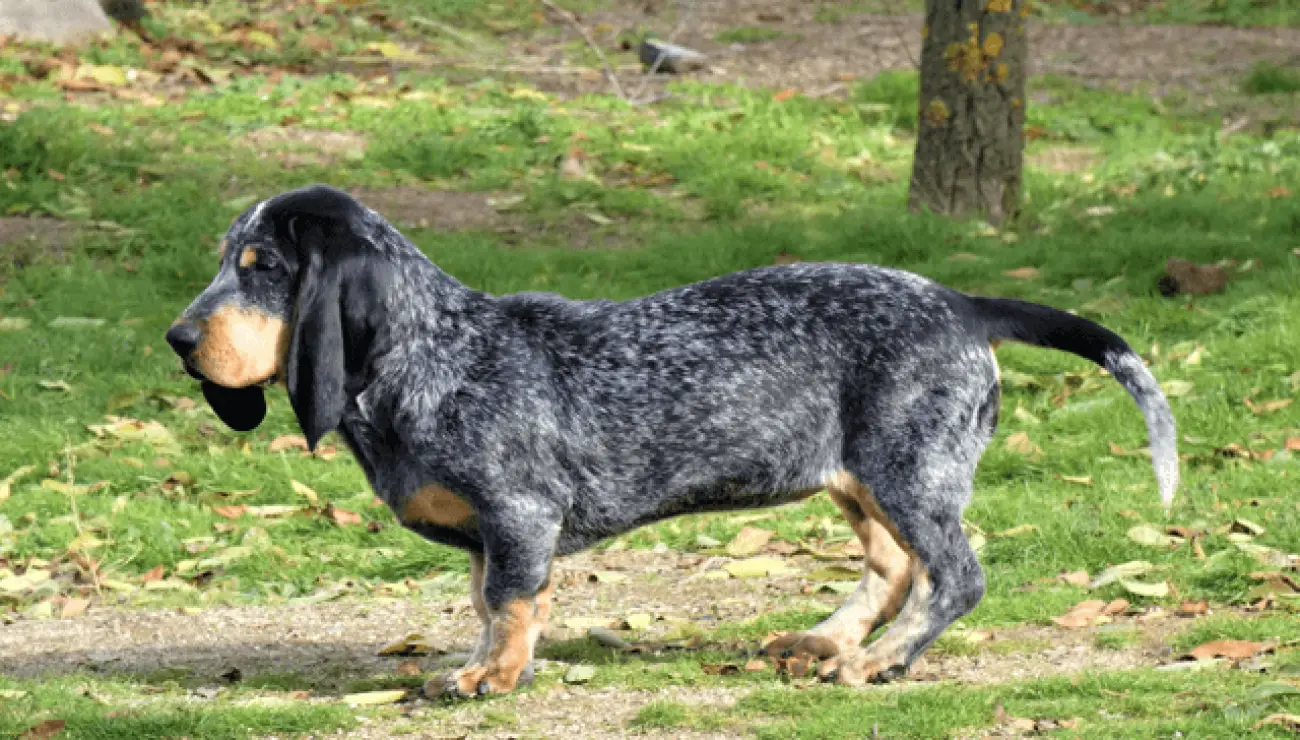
point(572, 20)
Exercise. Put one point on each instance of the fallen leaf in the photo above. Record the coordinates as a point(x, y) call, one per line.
point(343, 516)
point(1177, 388)
point(720, 669)
point(1023, 273)
point(638, 621)
point(1145, 534)
point(579, 674)
point(1288, 721)
point(1233, 649)
point(1263, 408)
point(271, 511)
point(1081, 615)
point(14, 323)
point(783, 95)
point(44, 730)
point(1123, 570)
point(1246, 526)
point(835, 573)
point(1017, 530)
point(288, 442)
point(1116, 606)
point(6, 484)
point(748, 542)
point(73, 607)
point(153, 574)
point(412, 644)
point(76, 322)
point(1138, 588)
point(1192, 608)
point(1293, 444)
point(1085, 480)
point(606, 576)
point(585, 623)
point(373, 698)
point(55, 385)
point(1076, 578)
point(408, 668)
point(230, 512)
point(756, 567)
point(1021, 444)
point(306, 492)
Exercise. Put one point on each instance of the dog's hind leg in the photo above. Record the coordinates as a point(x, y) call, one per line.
point(880, 593)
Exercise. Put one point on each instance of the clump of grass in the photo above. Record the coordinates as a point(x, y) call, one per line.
point(748, 35)
point(1266, 78)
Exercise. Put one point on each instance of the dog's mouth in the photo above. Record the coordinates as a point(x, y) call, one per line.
point(241, 409)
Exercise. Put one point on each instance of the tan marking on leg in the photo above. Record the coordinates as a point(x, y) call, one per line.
point(863, 665)
point(993, 353)
point(511, 651)
point(545, 599)
point(879, 594)
point(248, 257)
point(435, 505)
point(240, 347)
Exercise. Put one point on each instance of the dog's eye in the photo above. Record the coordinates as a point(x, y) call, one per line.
point(266, 261)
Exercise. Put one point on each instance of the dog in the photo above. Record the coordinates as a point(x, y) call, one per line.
point(528, 426)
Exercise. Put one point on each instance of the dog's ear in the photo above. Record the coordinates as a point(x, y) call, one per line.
point(316, 369)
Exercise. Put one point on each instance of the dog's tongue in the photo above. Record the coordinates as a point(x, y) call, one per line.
point(242, 409)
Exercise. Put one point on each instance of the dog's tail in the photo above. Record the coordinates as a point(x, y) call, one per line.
point(1044, 326)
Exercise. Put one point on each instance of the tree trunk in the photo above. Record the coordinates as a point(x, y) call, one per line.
point(972, 108)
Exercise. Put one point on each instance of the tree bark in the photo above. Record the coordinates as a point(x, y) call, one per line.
point(969, 145)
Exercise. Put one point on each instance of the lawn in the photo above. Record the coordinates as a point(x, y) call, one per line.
point(125, 493)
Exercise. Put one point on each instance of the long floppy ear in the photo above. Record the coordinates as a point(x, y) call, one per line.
point(316, 367)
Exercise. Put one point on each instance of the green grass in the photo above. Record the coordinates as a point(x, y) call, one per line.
point(1241, 13)
point(748, 34)
point(718, 179)
point(1265, 78)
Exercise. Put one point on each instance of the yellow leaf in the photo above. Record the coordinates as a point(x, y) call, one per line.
point(748, 542)
point(638, 621)
point(373, 698)
point(1176, 388)
point(262, 39)
point(312, 499)
point(756, 568)
point(6, 485)
point(1084, 480)
point(412, 644)
point(105, 74)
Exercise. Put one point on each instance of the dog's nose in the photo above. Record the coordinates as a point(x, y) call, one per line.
point(183, 338)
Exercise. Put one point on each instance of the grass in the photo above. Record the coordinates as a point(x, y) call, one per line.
point(748, 34)
point(1265, 78)
point(719, 179)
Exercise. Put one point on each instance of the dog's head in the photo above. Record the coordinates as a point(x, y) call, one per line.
point(291, 303)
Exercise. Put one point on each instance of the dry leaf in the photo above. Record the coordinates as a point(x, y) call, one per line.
point(1123, 570)
point(1081, 615)
point(1115, 607)
point(306, 492)
point(288, 442)
point(638, 621)
point(6, 485)
point(1234, 649)
point(373, 698)
point(1152, 590)
point(153, 574)
point(835, 573)
point(1085, 480)
point(756, 567)
point(783, 95)
point(580, 674)
point(73, 607)
point(1177, 388)
point(1076, 578)
point(1288, 721)
point(748, 542)
point(1017, 530)
point(1145, 534)
point(1021, 444)
point(408, 668)
point(1193, 608)
point(343, 516)
point(413, 644)
point(230, 512)
point(1267, 407)
point(44, 730)
point(1023, 273)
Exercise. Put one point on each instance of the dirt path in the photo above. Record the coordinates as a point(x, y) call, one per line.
point(331, 644)
point(819, 57)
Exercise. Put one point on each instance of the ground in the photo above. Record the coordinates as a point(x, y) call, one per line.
point(162, 576)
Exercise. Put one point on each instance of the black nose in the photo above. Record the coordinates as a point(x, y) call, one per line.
point(183, 338)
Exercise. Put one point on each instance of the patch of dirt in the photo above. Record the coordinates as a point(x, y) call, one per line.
point(444, 210)
point(298, 147)
point(819, 58)
point(25, 240)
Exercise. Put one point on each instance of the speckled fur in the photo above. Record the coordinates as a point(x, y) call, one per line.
point(564, 422)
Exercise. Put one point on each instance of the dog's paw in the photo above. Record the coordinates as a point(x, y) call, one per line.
point(476, 680)
point(859, 668)
point(796, 653)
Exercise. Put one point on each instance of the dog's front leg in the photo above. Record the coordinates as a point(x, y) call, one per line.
point(517, 594)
